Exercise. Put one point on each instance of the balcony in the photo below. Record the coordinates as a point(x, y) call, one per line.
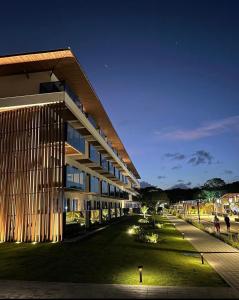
point(75, 139)
point(59, 86)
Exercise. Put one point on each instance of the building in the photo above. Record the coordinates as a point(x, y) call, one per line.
point(59, 152)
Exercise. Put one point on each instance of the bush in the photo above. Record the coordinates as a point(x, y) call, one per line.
point(159, 226)
point(133, 230)
point(143, 221)
point(152, 238)
point(146, 237)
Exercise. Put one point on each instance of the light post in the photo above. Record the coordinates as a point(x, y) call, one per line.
point(202, 258)
point(198, 207)
point(183, 235)
point(140, 268)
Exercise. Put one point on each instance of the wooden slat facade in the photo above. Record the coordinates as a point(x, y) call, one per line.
point(32, 146)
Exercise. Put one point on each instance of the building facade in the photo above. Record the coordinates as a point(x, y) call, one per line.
point(60, 156)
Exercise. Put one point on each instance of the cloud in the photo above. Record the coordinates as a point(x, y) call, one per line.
point(201, 157)
point(144, 184)
point(228, 171)
point(176, 167)
point(182, 185)
point(161, 177)
point(180, 180)
point(176, 156)
point(205, 130)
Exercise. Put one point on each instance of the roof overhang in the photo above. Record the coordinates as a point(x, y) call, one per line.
point(65, 66)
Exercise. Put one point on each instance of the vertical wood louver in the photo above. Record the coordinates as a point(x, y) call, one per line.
point(31, 174)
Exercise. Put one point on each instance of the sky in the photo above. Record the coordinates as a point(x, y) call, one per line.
point(166, 72)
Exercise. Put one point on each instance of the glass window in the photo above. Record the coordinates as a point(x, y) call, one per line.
point(104, 163)
point(75, 178)
point(111, 168)
point(94, 184)
point(116, 173)
point(75, 139)
point(112, 191)
point(104, 188)
point(94, 154)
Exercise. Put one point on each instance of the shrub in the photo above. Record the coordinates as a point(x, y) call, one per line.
point(152, 238)
point(133, 230)
point(159, 226)
point(143, 221)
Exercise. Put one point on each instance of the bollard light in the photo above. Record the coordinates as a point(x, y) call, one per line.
point(140, 268)
point(202, 258)
point(183, 234)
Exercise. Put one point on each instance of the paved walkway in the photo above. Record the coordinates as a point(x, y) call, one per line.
point(221, 256)
point(52, 290)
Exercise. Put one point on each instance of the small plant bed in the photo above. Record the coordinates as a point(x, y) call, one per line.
point(229, 238)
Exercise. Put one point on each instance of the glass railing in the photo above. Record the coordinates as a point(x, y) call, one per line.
point(104, 163)
point(94, 154)
point(60, 86)
point(75, 139)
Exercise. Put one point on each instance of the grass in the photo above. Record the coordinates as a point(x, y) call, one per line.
point(111, 256)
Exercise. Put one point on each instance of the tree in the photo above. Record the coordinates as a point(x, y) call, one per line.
point(214, 183)
point(144, 210)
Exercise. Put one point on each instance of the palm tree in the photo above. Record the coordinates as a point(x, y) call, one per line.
point(144, 210)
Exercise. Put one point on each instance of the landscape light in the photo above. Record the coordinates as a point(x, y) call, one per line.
point(202, 258)
point(140, 268)
point(183, 234)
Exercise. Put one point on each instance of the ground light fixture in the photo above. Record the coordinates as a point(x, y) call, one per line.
point(183, 235)
point(140, 268)
point(202, 258)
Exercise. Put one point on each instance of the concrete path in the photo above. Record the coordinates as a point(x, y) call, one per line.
point(53, 290)
point(222, 257)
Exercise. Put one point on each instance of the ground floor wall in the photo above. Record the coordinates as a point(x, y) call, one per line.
point(31, 174)
point(86, 209)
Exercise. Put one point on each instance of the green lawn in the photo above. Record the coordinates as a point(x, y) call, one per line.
point(110, 256)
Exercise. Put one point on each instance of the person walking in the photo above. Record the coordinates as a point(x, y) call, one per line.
point(217, 224)
point(227, 221)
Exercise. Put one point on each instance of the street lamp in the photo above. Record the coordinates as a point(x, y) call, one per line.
point(140, 268)
point(202, 258)
point(198, 201)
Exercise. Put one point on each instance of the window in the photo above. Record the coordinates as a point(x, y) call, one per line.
point(112, 191)
point(117, 193)
point(116, 173)
point(104, 188)
point(94, 154)
point(111, 168)
point(75, 139)
point(94, 184)
point(104, 163)
point(75, 178)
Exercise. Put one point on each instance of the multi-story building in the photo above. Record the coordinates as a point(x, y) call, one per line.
point(59, 151)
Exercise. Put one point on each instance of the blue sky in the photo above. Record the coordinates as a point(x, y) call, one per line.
point(166, 71)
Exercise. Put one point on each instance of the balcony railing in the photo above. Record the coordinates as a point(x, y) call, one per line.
point(60, 86)
point(75, 139)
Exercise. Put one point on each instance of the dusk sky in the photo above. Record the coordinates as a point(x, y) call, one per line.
point(167, 73)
